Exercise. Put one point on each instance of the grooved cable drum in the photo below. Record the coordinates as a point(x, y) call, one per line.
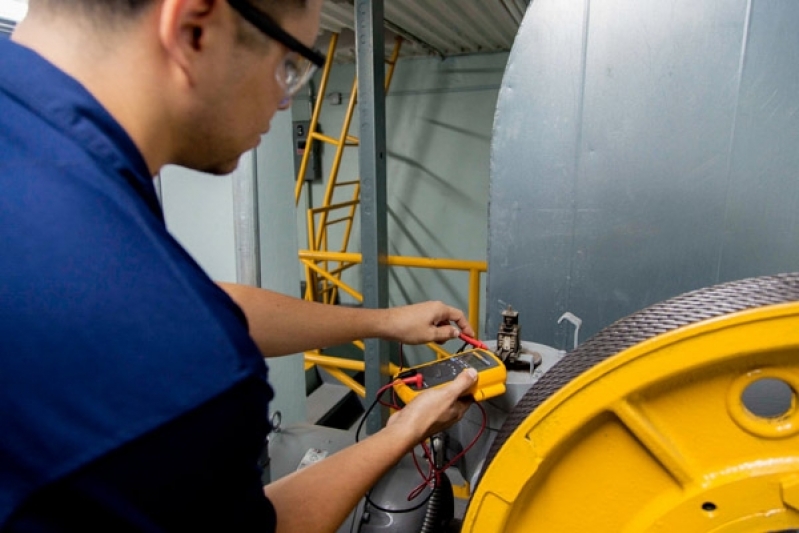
point(683, 310)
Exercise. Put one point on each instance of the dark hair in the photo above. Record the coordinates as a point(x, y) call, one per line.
point(93, 7)
point(129, 8)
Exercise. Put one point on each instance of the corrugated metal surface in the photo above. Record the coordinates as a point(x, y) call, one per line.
point(435, 27)
point(6, 27)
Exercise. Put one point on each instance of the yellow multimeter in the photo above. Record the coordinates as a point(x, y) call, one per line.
point(491, 375)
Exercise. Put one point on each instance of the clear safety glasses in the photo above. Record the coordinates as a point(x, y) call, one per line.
point(297, 68)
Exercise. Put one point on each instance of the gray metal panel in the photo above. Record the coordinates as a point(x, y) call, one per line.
point(641, 150)
point(535, 136)
point(761, 221)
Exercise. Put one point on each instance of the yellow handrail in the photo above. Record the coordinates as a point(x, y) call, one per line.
point(336, 366)
point(475, 268)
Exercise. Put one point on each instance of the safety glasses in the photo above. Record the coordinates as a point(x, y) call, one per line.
point(296, 71)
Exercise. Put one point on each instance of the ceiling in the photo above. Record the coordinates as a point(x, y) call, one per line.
point(10, 12)
point(432, 27)
point(429, 27)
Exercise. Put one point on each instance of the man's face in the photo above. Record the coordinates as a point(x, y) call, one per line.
point(242, 94)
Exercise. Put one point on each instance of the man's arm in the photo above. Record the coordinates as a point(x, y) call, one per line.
point(282, 325)
point(319, 498)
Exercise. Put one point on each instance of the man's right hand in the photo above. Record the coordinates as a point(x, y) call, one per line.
point(436, 409)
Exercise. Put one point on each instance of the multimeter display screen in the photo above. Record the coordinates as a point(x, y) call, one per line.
point(448, 369)
point(476, 361)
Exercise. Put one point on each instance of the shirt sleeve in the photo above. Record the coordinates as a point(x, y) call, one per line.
point(198, 472)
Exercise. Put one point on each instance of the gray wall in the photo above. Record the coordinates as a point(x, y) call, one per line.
point(199, 212)
point(439, 118)
point(642, 150)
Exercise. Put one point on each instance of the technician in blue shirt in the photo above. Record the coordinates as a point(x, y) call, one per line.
point(133, 394)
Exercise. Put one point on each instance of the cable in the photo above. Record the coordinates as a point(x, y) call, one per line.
point(401, 357)
point(399, 511)
point(432, 479)
point(380, 392)
point(436, 473)
point(369, 501)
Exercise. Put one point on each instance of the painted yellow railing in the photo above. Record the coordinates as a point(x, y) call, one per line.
point(316, 263)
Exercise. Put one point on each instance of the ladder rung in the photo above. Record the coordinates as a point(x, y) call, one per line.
point(339, 270)
point(324, 138)
point(349, 139)
point(343, 183)
point(337, 220)
point(334, 207)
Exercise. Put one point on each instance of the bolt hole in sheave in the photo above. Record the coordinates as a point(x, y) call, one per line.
point(769, 398)
point(680, 417)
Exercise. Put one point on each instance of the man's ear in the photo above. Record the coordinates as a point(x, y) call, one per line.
point(184, 28)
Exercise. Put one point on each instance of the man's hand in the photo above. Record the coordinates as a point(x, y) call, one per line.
point(436, 409)
point(425, 322)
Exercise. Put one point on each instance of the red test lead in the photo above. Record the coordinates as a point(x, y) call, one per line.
point(416, 380)
point(473, 342)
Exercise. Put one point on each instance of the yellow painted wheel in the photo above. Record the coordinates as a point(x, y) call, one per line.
point(650, 426)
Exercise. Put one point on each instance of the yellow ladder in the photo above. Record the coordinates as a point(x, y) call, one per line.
point(324, 288)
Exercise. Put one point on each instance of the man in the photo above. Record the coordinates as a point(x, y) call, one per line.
point(132, 396)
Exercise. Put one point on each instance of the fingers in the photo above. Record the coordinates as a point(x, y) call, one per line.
point(425, 322)
point(464, 382)
point(437, 409)
point(457, 316)
point(446, 331)
point(459, 395)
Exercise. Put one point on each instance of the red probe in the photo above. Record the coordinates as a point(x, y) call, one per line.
point(413, 380)
point(473, 342)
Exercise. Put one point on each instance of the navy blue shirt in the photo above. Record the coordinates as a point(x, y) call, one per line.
point(131, 394)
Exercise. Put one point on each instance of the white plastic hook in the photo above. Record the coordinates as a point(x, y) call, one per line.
point(576, 322)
